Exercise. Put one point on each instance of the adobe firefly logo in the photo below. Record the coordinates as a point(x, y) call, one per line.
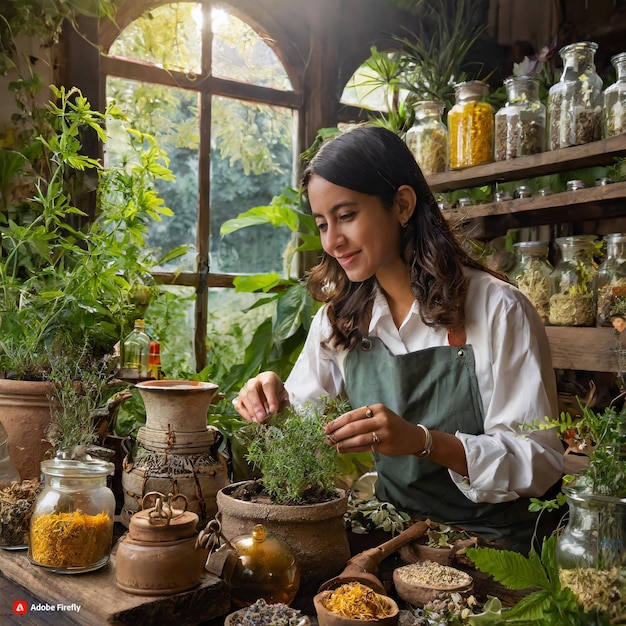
point(20, 607)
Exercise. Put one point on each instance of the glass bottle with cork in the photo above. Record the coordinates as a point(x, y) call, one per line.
point(136, 353)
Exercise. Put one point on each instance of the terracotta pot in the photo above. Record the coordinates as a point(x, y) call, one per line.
point(315, 533)
point(179, 406)
point(25, 415)
point(328, 618)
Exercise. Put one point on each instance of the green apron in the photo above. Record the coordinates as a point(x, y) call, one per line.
point(438, 388)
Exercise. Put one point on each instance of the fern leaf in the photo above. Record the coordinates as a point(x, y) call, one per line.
point(512, 569)
point(532, 607)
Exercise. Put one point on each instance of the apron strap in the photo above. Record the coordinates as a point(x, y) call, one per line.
point(457, 336)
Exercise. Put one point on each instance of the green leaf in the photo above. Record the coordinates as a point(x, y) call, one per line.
point(257, 282)
point(512, 569)
point(292, 308)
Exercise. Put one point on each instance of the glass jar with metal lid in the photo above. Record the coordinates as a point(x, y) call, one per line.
point(470, 126)
point(571, 283)
point(428, 137)
point(575, 102)
point(520, 124)
point(71, 528)
point(615, 99)
point(531, 274)
point(610, 281)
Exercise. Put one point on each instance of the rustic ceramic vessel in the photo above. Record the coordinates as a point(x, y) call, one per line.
point(315, 533)
point(25, 414)
point(176, 451)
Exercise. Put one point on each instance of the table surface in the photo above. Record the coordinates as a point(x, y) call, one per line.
point(103, 603)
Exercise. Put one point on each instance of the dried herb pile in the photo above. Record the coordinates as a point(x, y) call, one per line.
point(16, 507)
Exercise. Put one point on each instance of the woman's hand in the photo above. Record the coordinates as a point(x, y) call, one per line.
point(376, 428)
point(260, 397)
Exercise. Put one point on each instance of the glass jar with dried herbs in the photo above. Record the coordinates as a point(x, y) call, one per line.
point(575, 102)
point(428, 137)
point(615, 99)
point(521, 123)
point(610, 281)
point(71, 528)
point(531, 274)
point(571, 283)
point(470, 126)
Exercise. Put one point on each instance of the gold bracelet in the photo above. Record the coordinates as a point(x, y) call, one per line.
point(428, 441)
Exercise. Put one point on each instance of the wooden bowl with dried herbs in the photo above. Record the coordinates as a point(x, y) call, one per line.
point(355, 604)
point(424, 581)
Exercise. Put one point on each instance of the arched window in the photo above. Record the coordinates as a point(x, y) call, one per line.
point(213, 91)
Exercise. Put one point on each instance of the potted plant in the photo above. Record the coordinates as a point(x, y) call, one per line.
point(580, 576)
point(68, 280)
point(295, 497)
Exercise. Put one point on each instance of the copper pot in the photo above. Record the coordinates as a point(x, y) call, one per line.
point(158, 555)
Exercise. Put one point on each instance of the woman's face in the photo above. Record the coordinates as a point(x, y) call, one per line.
point(356, 229)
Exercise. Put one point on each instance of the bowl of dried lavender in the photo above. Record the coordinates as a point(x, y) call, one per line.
point(263, 614)
point(424, 581)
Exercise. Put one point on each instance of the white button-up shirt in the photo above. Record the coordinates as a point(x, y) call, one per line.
point(515, 379)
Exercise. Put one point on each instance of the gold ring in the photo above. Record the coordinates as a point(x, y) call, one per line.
point(369, 412)
point(375, 438)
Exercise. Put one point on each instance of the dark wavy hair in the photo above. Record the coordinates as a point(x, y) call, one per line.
point(375, 161)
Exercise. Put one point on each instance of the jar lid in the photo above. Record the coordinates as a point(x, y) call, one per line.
point(162, 522)
point(471, 89)
point(182, 525)
point(523, 191)
point(531, 245)
point(573, 185)
point(74, 468)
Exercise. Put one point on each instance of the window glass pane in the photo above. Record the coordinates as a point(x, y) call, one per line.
point(251, 162)
point(239, 53)
point(169, 36)
point(171, 116)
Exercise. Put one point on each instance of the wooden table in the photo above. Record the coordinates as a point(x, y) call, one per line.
point(100, 601)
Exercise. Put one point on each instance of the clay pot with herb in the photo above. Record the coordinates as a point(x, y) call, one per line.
point(295, 498)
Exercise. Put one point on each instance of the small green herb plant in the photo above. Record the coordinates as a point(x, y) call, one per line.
point(601, 435)
point(80, 387)
point(291, 452)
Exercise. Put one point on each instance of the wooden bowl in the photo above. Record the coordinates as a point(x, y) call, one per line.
point(424, 581)
point(232, 618)
point(325, 617)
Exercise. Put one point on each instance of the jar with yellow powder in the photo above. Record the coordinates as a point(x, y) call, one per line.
point(71, 528)
point(471, 126)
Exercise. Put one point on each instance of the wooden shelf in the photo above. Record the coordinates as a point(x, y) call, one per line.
point(578, 348)
point(601, 152)
point(573, 348)
point(571, 203)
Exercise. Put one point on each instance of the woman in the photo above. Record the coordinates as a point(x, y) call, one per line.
point(442, 361)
